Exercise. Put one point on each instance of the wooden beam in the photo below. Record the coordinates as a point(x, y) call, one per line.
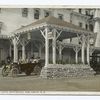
point(43, 33)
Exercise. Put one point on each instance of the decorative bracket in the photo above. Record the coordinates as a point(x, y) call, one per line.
point(43, 33)
point(76, 48)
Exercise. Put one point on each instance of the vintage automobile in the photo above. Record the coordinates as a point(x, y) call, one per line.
point(95, 62)
point(17, 68)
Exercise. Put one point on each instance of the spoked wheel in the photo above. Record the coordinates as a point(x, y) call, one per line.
point(4, 72)
point(14, 72)
point(37, 70)
point(27, 72)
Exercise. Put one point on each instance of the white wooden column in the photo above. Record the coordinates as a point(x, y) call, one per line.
point(97, 28)
point(60, 52)
point(10, 50)
point(40, 50)
point(83, 50)
point(54, 46)
point(82, 53)
point(31, 48)
point(15, 50)
point(76, 57)
point(46, 47)
point(76, 49)
point(23, 52)
point(96, 14)
point(23, 43)
point(88, 51)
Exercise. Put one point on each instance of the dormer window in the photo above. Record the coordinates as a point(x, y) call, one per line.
point(0, 27)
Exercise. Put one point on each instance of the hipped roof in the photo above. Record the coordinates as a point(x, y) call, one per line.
point(50, 20)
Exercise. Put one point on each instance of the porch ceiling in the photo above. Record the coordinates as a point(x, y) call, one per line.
point(68, 30)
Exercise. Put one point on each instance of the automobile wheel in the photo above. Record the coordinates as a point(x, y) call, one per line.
point(4, 72)
point(14, 72)
point(27, 72)
point(37, 70)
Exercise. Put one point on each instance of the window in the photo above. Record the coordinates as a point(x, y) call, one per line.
point(0, 27)
point(86, 12)
point(80, 10)
point(91, 27)
point(36, 13)
point(46, 14)
point(24, 12)
point(0, 10)
point(60, 16)
point(70, 40)
point(86, 26)
point(0, 30)
point(80, 24)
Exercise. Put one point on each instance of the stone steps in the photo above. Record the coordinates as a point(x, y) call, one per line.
point(68, 70)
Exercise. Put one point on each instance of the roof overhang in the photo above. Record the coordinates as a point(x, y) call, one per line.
point(68, 30)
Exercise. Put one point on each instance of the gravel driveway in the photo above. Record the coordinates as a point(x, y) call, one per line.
point(35, 83)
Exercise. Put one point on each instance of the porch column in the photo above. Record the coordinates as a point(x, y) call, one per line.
point(40, 49)
point(97, 28)
point(31, 48)
point(15, 50)
point(10, 48)
point(88, 52)
point(76, 49)
point(82, 53)
point(46, 47)
point(60, 52)
point(54, 47)
point(23, 52)
point(76, 57)
point(83, 50)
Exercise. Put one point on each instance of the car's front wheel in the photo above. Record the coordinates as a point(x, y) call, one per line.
point(14, 72)
point(4, 72)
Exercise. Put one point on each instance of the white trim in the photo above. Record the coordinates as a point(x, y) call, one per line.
point(42, 32)
point(59, 33)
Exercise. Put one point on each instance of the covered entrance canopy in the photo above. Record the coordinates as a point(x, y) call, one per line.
point(55, 29)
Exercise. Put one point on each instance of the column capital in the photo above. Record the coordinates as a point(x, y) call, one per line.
point(76, 48)
point(24, 41)
point(16, 39)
